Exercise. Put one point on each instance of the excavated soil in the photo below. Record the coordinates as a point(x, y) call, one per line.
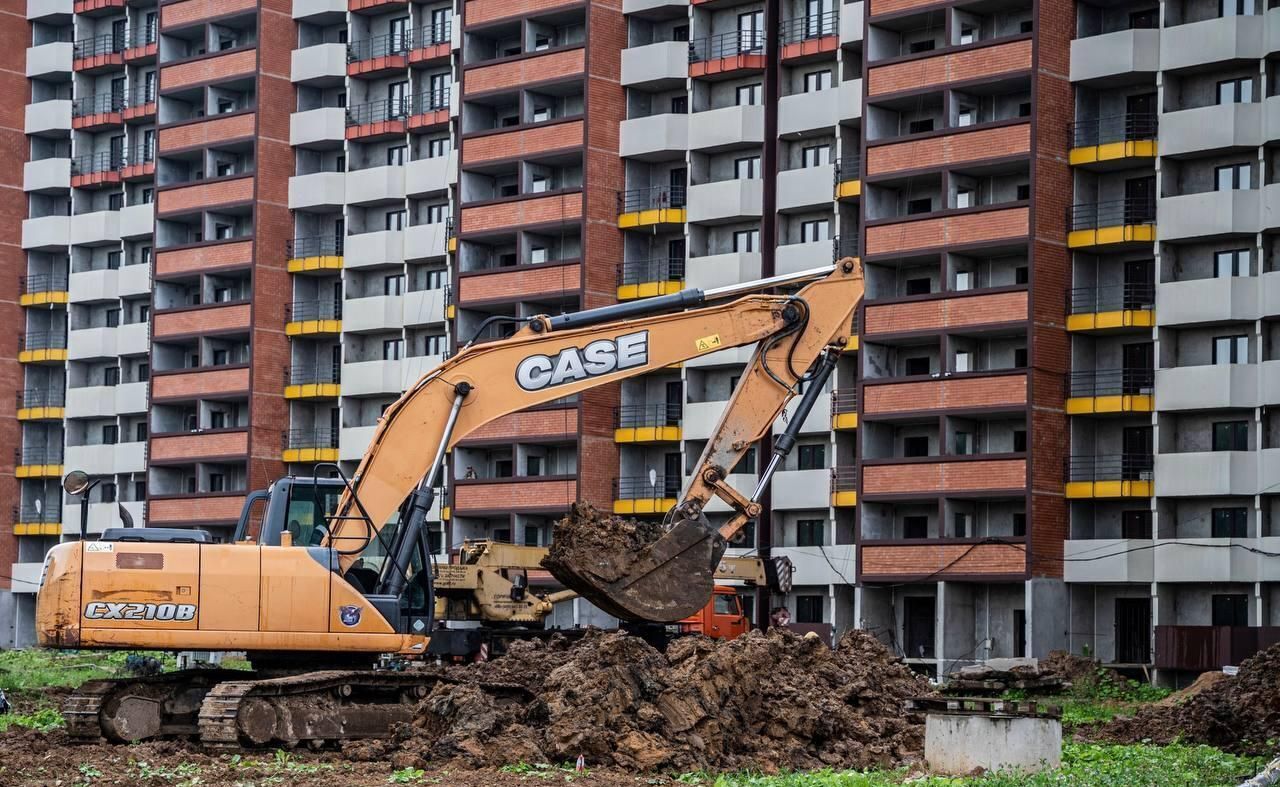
point(763, 701)
point(590, 540)
point(1239, 714)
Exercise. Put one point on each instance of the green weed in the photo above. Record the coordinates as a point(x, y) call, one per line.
point(42, 720)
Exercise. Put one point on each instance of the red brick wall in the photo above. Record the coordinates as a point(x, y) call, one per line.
point(202, 195)
point(192, 11)
point(201, 320)
point(206, 131)
point(895, 6)
point(529, 425)
point(208, 69)
point(982, 62)
point(537, 210)
point(990, 225)
point(513, 495)
point(999, 390)
point(190, 385)
point(479, 11)
point(219, 255)
point(939, 313)
point(191, 510)
point(925, 559)
point(525, 142)
point(520, 283)
point(505, 76)
point(198, 446)
point(960, 476)
point(949, 149)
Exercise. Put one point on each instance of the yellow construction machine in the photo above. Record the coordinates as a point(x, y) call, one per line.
point(315, 600)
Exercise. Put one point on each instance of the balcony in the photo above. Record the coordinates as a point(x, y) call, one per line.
point(1111, 224)
point(726, 128)
point(432, 42)
point(848, 177)
point(44, 289)
point(373, 314)
point(1216, 300)
point(107, 401)
point(41, 404)
point(205, 444)
point(1205, 648)
point(377, 119)
point(809, 36)
point(317, 253)
point(309, 446)
point(933, 313)
point(108, 342)
point(1223, 40)
point(211, 382)
point(807, 113)
point(555, 279)
point(844, 409)
point(984, 474)
point(725, 201)
point(647, 423)
point(42, 347)
point(142, 45)
point(430, 175)
point(33, 520)
point(1109, 476)
point(318, 128)
point(317, 191)
point(432, 109)
point(108, 458)
point(1109, 560)
point(953, 146)
point(97, 112)
point(47, 233)
point(313, 381)
point(987, 391)
point(1220, 127)
point(201, 509)
point(314, 318)
point(1121, 57)
point(849, 100)
point(794, 257)
point(319, 11)
point(384, 247)
point(49, 11)
point(985, 224)
point(718, 270)
point(137, 221)
point(654, 138)
point(226, 65)
point(354, 441)
point(852, 17)
point(656, 207)
point(1112, 308)
point(109, 283)
point(372, 378)
point(1208, 387)
point(800, 489)
point(499, 497)
point(1206, 473)
point(319, 65)
point(844, 487)
point(659, 66)
point(640, 495)
point(1210, 213)
point(38, 462)
point(97, 169)
point(378, 55)
point(104, 515)
point(647, 278)
point(428, 241)
point(727, 55)
point(1217, 560)
point(98, 53)
point(932, 71)
point(375, 185)
point(1106, 391)
point(833, 564)
point(904, 561)
point(805, 188)
point(52, 60)
point(48, 118)
point(1113, 141)
point(99, 228)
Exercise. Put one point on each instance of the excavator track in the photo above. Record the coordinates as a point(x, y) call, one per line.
point(319, 708)
point(125, 710)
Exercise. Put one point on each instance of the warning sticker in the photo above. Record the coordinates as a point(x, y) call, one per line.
point(708, 343)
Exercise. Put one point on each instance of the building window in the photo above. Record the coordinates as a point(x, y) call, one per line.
point(813, 457)
point(920, 126)
point(1230, 523)
point(1234, 262)
point(1230, 349)
point(139, 490)
point(433, 344)
point(393, 285)
point(217, 482)
point(437, 147)
point(746, 241)
point(111, 375)
point(747, 95)
point(110, 434)
point(961, 524)
point(1232, 177)
point(808, 609)
point(1019, 441)
point(1020, 357)
point(222, 231)
point(223, 169)
point(435, 214)
point(1236, 8)
point(1235, 91)
point(809, 532)
point(965, 444)
point(1231, 436)
point(435, 279)
point(817, 80)
point(964, 361)
point(917, 206)
point(815, 230)
point(815, 156)
point(1019, 524)
point(113, 260)
point(394, 220)
point(1135, 524)
point(915, 527)
point(107, 493)
point(221, 357)
point(680, 105)
point(140, 432)
point(113, 318)
point(916, 366)
point(144, 372)
point(397, 155)
point(1230, 609)
point(921, 286)
point(392, 349)
point(915, 446)
point(747, 167)
point(1024, 191)
point(916, 47)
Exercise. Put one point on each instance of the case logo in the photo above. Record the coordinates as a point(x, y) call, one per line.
point(133, 610)
point(349, 614)
point(572, 364)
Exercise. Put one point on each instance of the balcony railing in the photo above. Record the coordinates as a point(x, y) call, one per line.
point(844, 400)
point(142, 35)
point(106, 44)
point(810, 26)
point(844, 479)
point(38, 455)
point(1112, 297)
point(102, 161)
point(431, 35)
point(140, 95)
point(1110, 382)
point(735, 42)
point(43, 282)
point(30, 514)
point(1110, 467)
point(431, 101)
point(43, 340)
point(641, 488)
point(325, 309)
point(97, 104)
point(42, 397)
point(379, 46)
point(640, 415)
point(655, 269)
point(1202, 648)
point(653, 197)
point(321, 437)
point(1113, 128)
point(844, 246)
point(848, 168)
point(1111, 213)
point(315, 246)
point(313, 373)
point(378, 111)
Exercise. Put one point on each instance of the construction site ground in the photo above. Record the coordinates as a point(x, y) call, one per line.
point(837, 732)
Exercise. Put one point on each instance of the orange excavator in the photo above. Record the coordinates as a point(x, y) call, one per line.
point(317, 608)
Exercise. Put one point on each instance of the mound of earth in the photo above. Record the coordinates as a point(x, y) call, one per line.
point(1240, 714)
point(771, 701)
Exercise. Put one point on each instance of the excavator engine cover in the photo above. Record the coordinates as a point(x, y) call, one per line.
point(667, 580)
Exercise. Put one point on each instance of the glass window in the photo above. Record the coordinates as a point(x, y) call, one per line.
point(1236, 8)
point(748, 167)
point(1230, 523)
point(815, 156)
point(1230, 349)
point(812, 457)
point(435, 279)
point(915, 527)
point(1231, 263)
point(392, 349)
point(394, 220)
point(433, 344)
point(1235, 91)
point(915, 446)
point(726, 604)
point(815, 230)
point(1231, 436)
point(817, 80)
point(748, 95)
point(110, 434)
point(397, 154)
point(393, 285)
point(809, 532)
point(1232, 177)
point(808, 609)
point(746, 240)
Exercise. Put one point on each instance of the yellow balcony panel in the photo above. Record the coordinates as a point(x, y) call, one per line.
point(1112, 152)
point(453, 245)
point(40, 413)
point(847, 498)
point(849, 189)
point(1106, 236)
point(1119, 403)
point(313, 391)
point(43, 298)
point(306, 455)
point(445, 513)
point(844, 421)
point(647, 289)
point(37, 529)
point(652, 217)
point(1080, 490)
point(647, 434)
point(52, 355)
point(318, 263)
point(313, 328)
point(1111, 320)
point(646, 505)
point(38, 471)
point(450, 312)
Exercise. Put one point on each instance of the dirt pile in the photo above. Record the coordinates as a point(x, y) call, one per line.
point(1239, 714)
point(775, 701)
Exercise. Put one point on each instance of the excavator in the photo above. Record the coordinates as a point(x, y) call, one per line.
point(316, 616)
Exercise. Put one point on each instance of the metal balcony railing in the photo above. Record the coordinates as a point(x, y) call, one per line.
point(140, 95)
point(655, 269)
point(1110, 467)
point(640, 415)
point(378, 111)
point(431, 35)
point(142, 35)
point(43, 282)
point(848, 168)
point(324, 309)
point(31, 514)
point(431, 101)
point(315, 246)
point(1113, 128)
point(42, 397)
point(650, 198)
point(844, 246)
point(37, 455)
point(102, 161)
point(313, 373)
point(97, 104)
point(1112, 297)
point(844, 400)
point(43, 340)
point(106, 44)
point(1110, 382)
point(641, 488)
point(735, 42)
point(143, 153)
point(384, 45)
point(320, 437)
point(844, 479)
point(804, 28)
point(1111, 213)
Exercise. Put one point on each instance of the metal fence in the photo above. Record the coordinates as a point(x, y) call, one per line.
point(431, 35)
point(378, 111)
point(323, 309)
point(848, 168)
point(1111, 213)
point(320, 437)
point(1110, 467)
point(431, 101)
point(43, 282)
point(653, 269)
point(651, 198)
point(810, 26)
point(102, 161)
point(106, 44)
point(640, 415)
point(844, 400)
point(142, 35)
point(141, 95)
point(844, 479)
point(43, 340)
point(97, 104)
point(1112, 297)
point(42, 397)
point(384, 45)
point(1110, 382)
point(38, 455)
point(315, 246)
point(313, 373)
point(643, 488)
point(1113, 128)
point(735, 42)
point(31, 514)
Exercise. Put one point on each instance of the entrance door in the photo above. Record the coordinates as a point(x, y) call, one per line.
point(1139, 364)
point(398, 35)
point(1140, 200)
point(1133, 630)
point(1139, 284)
point(117, 152)
point(675, 402)
point(117, 35)
point(919, 626)
point(117, 94)
point(1019, 633)
point(337, 363)
point(1140, 116)
point(675, 259)
point(676, 179)
point(397, 100)
point(750, 31)
point(671, 464)
point(1137, 460)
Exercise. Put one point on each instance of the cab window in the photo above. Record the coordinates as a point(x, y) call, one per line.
point(726, 604)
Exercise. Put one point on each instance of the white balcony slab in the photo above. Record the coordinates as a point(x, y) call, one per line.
point(1115, 57)
point(658, 66)
point(137, 221)
point(318, 128)
point(654, 138)
point(371, 378)
point(725, 128)
point(371, 315)
point(317, 191)
point(1208, 387)
point(384, 247)
point(1206, 473)
point(829, 565)
point(430, 175)
point(426, 241)
point(353, 441)
point(1211, 41)
point(48, 118)
point(724, 201)
point(50, 175)
point(47, 233)
point(375, 185)
point(718, 270)
point(806, 113)
point(796, 489)
point(1109, 560)
point(805, 188)
point(49, 60)
point(98, 228)
point(424, 307)
point(319, 65)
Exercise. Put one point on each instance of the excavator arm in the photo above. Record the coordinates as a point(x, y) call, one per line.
point(554, 357)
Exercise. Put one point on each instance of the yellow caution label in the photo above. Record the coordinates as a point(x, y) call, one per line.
point(707, 343)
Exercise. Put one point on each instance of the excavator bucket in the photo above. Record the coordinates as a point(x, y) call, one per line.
point(664, 581)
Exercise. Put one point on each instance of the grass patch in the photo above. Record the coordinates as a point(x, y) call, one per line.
point(1082, 764)
point(36, 668)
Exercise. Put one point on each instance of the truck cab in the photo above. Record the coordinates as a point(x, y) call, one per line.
point(721, 618)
